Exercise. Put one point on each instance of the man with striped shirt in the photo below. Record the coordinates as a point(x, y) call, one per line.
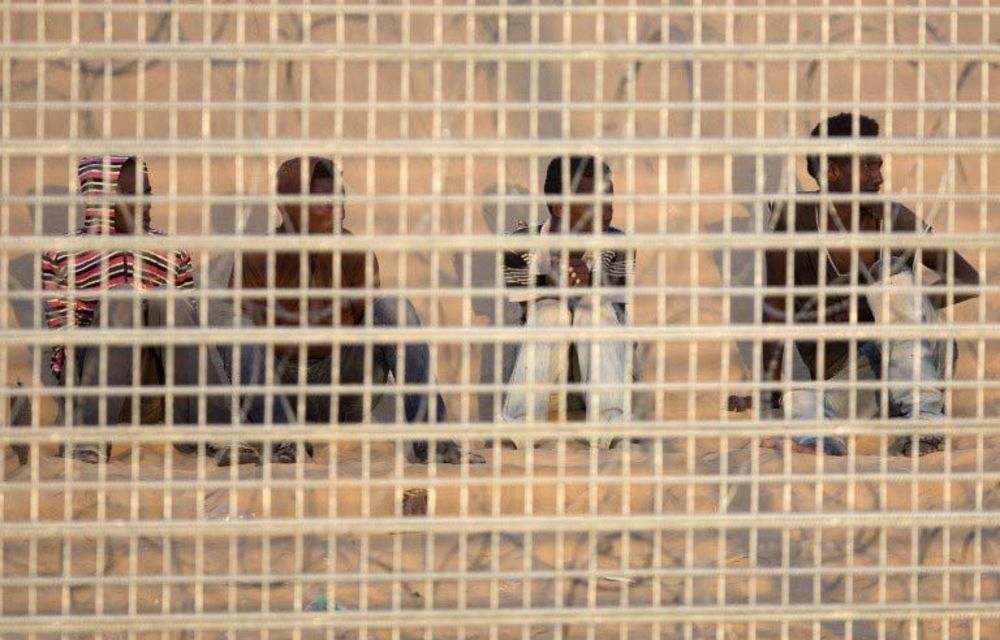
point(88, 291)
point(579, 201)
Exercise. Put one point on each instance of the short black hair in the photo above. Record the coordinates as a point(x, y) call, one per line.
point(324, 169)
point(132, 163)
point(579, 167)
point(839, 126)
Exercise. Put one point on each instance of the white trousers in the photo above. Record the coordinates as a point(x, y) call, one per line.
point(919, 364)
point(601, 363)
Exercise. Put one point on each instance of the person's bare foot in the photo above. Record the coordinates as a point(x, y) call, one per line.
point(90, 454)
point(606, 442)
point(187, 448)
point(778, 444)
point(242, 453)
point(832, 446)
point(926, 445)
point(446, 452)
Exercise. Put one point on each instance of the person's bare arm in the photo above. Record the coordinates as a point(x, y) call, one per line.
point(578, 273)
point(935, 259)
point(357, 302)
point(964, 274)
point(774, 312)
point(252, 277)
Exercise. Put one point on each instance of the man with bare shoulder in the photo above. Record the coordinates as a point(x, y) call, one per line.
point(882, 285)
point(310, 291)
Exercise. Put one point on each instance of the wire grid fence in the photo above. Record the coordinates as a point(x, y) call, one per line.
point(443, 117)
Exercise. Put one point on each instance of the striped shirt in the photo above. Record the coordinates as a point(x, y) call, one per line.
point(69, 273)
point(527, 271)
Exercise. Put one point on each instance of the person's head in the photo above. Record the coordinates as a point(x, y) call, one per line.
point(128, 210)
point(109, 185)
point(586, 177)
point(324, 179)
point(840, 168)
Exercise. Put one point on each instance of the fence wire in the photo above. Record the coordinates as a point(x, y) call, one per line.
point(500, 319)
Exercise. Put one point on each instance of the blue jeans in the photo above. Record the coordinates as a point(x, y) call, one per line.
point(385, 312)
point(890, 305)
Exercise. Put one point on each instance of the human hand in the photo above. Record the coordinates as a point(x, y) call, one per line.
point(578, 274)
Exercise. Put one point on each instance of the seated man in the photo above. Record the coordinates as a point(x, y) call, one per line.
point(79, 282)
point(327, 288)
point(887, 281)
point(529, 277)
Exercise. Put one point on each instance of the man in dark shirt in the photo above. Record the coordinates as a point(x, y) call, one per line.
point(530, 276)
point(886, 296)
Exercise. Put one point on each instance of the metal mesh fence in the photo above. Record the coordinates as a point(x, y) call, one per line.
point(425, 385)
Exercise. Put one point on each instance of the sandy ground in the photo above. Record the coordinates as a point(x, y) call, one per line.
point(658, 563)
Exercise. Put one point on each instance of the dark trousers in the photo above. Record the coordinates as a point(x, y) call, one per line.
point(115, 369)
point(384, 359)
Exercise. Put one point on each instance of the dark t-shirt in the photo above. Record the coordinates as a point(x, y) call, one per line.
point(806, 269)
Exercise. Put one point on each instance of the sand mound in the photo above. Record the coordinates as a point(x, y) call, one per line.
point(155, 538)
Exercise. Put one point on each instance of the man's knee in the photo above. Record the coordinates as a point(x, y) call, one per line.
point(894, 271)
point(898, 300)
point(548, 313)
point(394, 312)
point(605, 314)
point(117, 312)
point(185, 312)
